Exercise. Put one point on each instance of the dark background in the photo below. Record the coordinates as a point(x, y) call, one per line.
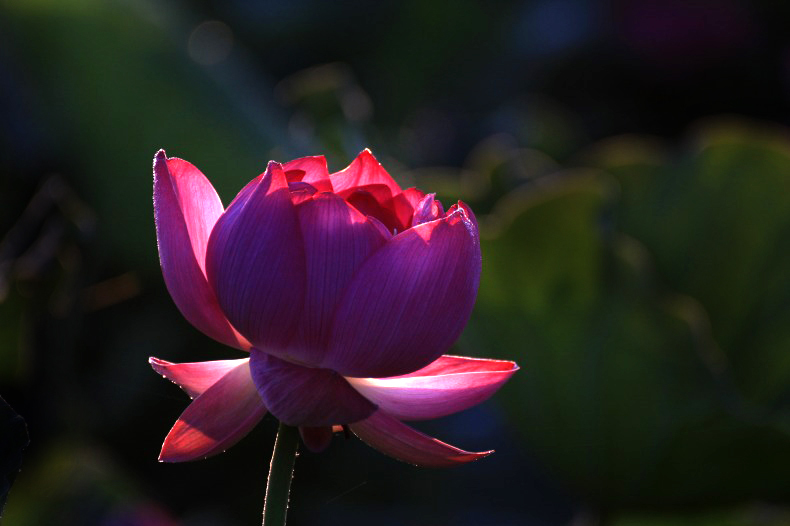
point(628, 162)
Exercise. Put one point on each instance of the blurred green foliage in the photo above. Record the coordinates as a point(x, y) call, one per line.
point(648, 304)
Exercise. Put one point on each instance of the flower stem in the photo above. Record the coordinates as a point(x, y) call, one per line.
point(281, 469)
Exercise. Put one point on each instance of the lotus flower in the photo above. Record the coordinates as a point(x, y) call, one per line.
point(344, 289)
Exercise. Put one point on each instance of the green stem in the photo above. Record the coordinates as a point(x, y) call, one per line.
point(278, 486)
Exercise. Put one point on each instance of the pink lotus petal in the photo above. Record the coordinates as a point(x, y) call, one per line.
point(255, 262)
point(449, 364)
point(445, 390)
point(404, 203)
point(374, 200)
point(313, 171)
point(394, 438)
point(316, 439)
point(468, 211)
point(363, 170)
point(409, 302)
point(337, 240)
point(428, 209)
point(380, 192)
point(216, 419)
point(301, 192)
point(186, 207)
point(306, 396)
point(195, 377)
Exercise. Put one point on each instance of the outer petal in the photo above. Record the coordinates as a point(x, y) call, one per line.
point(195, 377)
point(409, 302)
point(449, 364)
point(255, 262)
point(313, 171)
point(337, 240)
point(306, 396)
point(386, 434)
point(363, 170)
point(448, 387)
point(186, 207)
point(216, 419)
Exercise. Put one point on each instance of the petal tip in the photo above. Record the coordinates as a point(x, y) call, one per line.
point(158, 365)
point(160, 165)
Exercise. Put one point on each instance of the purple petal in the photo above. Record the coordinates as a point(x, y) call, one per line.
point(255, 262)
point(444, 387)
point(409, 302)
point(386, 434)
point(195, 377)
point(364, 170)
point(216, 419)
point(428, 209)
point(186, 208)
point(306, 396)
point(337, 240)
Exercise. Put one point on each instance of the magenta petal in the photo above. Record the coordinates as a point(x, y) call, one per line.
point(186, 207)
point(337, 240)
point(216, 419)
point(362, 171)
point(314, 171)
point(446, 389)
point(306, 396)
point(394, 438)
point(374, 200)
point(409, 302)
point(195, 377)
point(404, 203)
point(449, 364)
point(255, 262)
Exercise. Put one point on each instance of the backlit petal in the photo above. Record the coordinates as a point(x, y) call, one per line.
point(404, 203)
point(409, 302)
point(186, 207)
point(313, 171)
point(194, 377)
point(306, 396)
point(363, 170)
point(255, 262)
point(337, 240)
point(216, 419)
point(448, 387)
point(428, 209)
point(394, 438)
point(375, 200)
